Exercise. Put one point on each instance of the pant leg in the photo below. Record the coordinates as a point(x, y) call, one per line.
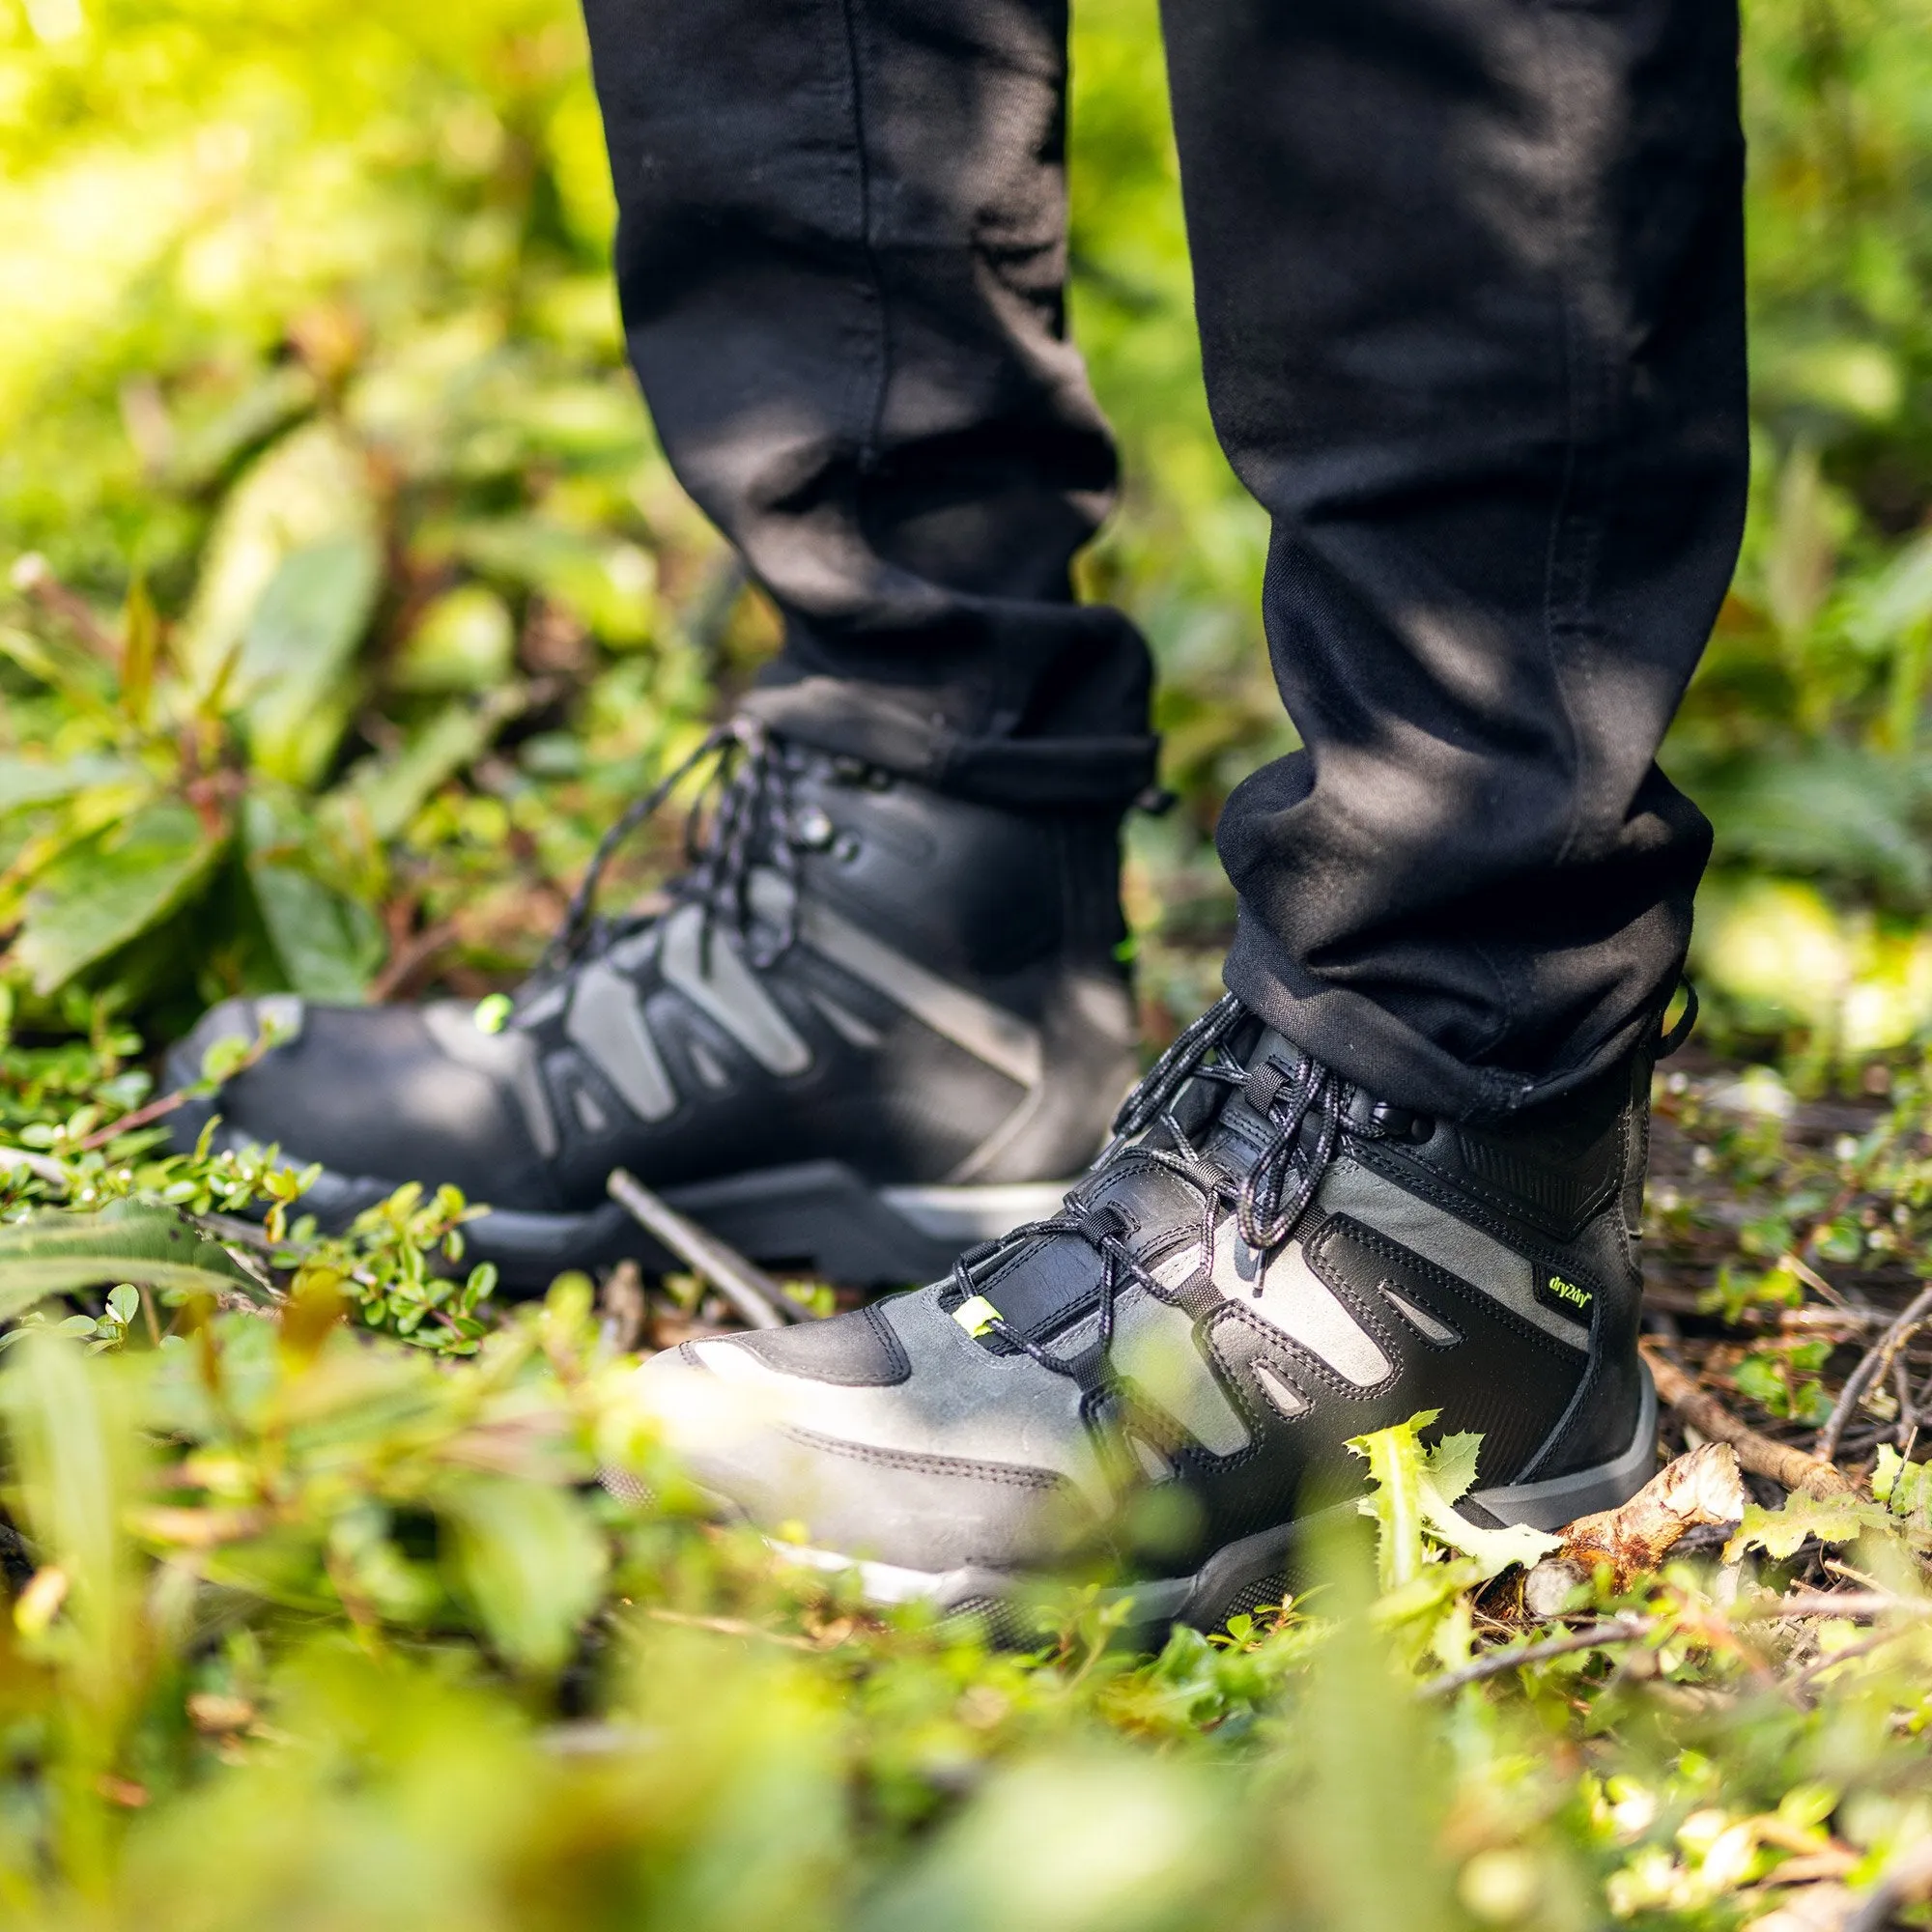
point(842, 255)
point(1471, 289)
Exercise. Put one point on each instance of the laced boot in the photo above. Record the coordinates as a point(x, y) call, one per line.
point(1164, 1376)
point(866, 1026)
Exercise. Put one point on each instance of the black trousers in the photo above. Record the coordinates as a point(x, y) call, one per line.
point(1469, 285)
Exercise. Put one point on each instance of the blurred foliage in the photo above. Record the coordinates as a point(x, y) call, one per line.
point(350, 599)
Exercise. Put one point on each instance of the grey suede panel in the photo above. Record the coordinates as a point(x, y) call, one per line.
point(1438, 1236)
point(916, 1508)
point(962, 1401)
point(1153, 1347)
point(716, 981)
point(509, 1058)
point(1291, 1297)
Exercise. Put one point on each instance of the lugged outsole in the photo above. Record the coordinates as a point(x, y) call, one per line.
point(820, 1215)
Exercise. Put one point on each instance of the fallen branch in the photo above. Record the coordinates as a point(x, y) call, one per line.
point(1871, 1366)
point(1759, 1453)
point(1613, 1629)
point(757, 1300)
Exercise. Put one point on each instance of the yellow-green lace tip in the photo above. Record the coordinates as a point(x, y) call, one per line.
point(492, 1015)
point(975, 1315)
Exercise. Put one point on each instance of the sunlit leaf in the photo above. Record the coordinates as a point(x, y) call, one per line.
point(56, 1253)
point(111, 887)
point(528, 1558)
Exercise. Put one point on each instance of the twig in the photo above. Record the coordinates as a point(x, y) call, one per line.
point(141, 1117)
point(1758, 1454)
point(736, 1627)
point(1797, 1684)
point(407, 957)
point(1803, 1268)
point(1800, 1604)
point(1614, 1630)
point(1876, 1360)
point(262, 1043)
point(1661, 1298)
point(758, 1299)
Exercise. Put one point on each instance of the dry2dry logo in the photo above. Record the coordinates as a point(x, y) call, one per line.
point(1567, 1297)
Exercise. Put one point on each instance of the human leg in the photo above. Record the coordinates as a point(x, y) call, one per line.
point(1471, 308)
point(886, 1007)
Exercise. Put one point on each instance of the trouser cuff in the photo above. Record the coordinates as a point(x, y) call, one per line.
point(885, 727)
point(1391, 1059)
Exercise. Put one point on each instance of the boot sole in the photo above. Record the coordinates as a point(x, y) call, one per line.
point(819, 1215)
point(1249, 1575)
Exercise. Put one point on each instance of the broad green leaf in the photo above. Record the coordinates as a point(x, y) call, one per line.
point(1779, 1532)
point(393, 789)
point(111, 887)
point(529, 1561)
point(611, 588)
point(306, 490)
point(57, 1253)
point(78, 1458)
point(38, 782)
point(328, 945)
point(1905, 1488)
point(1452, 1465)
point(1394, 1456)
point(1418, 1488)
point(292, 677)
point(463, 641)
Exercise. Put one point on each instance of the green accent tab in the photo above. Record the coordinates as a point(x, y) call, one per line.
point(493, 1014)
point(975, 1315)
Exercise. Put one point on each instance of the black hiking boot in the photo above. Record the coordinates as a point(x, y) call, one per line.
point(1163, 1377)
point(874, 1024)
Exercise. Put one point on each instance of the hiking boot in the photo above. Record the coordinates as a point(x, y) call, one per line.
point(868, 1026)
point(1162, 1377)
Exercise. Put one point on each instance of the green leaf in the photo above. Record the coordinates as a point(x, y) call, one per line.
point(57, 1253)
point(1778, 1532)
point(141, 652)
point(36, 781)
point(611, 588)
point(463, 641)
point(1419, 1487)
point(110, 888)
point(393, 789)
point(529, 1561)
point(306, 492)
point(291, 674)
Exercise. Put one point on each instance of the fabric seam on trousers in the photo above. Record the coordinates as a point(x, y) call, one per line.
point(1576, 348)
point(872, 416)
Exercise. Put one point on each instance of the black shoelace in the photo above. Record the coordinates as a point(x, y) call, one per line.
point(741, 817)
point(1270, 1200)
